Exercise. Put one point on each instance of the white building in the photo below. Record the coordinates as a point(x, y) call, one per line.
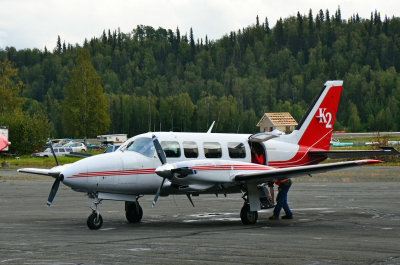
point(112, 138)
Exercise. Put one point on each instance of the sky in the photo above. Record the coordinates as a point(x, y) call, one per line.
point(37, 23)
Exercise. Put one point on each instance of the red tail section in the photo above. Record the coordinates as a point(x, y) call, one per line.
point(315, 129)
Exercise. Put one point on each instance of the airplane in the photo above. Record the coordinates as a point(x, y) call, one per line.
point(169, 163)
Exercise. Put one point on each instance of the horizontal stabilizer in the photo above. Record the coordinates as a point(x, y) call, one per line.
point(384, 151)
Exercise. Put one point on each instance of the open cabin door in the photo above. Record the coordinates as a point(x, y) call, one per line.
point(256, 142)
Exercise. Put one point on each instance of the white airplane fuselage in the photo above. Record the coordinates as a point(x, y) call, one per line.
point(131, 172)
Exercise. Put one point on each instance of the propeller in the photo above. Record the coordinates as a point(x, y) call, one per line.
point(54, 189)
point(159, 150)
point(167, 170)
point(59, 177)
point(52, 151)
point(157, 193)
point(163, 159)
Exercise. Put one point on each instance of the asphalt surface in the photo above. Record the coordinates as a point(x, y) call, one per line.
point(340, 222)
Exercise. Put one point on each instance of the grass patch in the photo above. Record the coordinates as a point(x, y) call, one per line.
point(27, 161)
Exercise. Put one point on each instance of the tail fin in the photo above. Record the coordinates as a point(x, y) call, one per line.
point(315, 129)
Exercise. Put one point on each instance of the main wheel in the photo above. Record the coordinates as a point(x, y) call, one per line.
point(94, 221)
point(133, 212)
point(248, 217)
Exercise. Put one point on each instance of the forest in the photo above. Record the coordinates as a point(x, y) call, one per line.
point(162, 79)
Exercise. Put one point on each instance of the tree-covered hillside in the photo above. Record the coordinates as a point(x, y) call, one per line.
point(161, 79)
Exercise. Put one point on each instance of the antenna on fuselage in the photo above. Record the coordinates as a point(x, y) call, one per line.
point(212, 125)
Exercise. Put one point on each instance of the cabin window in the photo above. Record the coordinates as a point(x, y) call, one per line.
point(142, 146)
point(236, 150)
point(190, 149)
point(212, 150)
point(171, 148)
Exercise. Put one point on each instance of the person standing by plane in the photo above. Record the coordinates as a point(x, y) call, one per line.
point(281, 200)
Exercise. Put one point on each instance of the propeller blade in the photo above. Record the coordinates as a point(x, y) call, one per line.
point(159, 150)
point(52, 151)
point(53, 191)
point(190, 199)
point(157, 193)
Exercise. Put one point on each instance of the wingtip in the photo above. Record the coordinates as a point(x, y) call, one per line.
point(369, 161)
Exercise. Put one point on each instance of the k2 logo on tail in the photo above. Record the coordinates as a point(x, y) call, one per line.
point(325, 117)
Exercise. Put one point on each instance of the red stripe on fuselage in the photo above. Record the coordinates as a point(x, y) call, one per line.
point(152, 170)
point(115, 173)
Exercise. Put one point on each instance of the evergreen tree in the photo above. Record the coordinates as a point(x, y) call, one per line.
point(58, 47)
point(192, 45)
point(84, 110)
point(266, 26)
point(9, 89)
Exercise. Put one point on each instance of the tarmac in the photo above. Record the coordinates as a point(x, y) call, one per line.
point(346, 217)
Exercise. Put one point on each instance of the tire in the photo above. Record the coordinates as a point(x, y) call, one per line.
point(133, 212)
point(93, 222)
point(248, 217)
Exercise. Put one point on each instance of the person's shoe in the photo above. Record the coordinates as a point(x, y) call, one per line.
point(287, 216)
point(274, 217)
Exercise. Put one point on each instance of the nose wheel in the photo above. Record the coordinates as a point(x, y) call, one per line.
point(95, 221)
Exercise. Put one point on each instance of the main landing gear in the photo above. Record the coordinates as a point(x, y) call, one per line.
point(248, 217)
point(95, 221)
point(133, 212)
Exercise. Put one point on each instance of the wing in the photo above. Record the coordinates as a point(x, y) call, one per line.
point(284, 173)
point(38, 171)
point(53, 172)
point(385, 151)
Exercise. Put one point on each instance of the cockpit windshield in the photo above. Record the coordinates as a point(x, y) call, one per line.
point(143, 146)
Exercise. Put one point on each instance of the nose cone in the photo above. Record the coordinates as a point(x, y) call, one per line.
point(165, 171)
point(84, 172)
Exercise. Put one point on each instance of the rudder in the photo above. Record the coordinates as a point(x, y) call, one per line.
point(315, 129)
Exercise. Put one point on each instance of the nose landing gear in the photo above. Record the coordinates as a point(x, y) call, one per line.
point(95, 221)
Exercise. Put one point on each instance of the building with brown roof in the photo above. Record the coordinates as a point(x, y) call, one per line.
point(282, 121)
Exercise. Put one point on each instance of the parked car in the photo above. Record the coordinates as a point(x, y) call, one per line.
point(76, 147)
point(91, 146)
point(59, 151)
point(111, 148)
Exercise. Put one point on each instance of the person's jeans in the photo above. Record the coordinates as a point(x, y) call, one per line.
point(281, 202)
